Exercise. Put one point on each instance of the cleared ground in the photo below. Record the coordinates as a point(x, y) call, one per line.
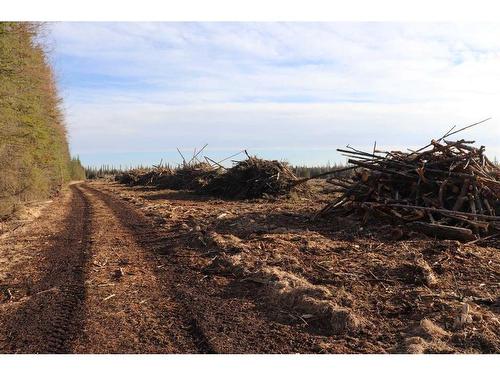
point(112, 269)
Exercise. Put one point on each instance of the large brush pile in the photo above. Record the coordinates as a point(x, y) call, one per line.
point(190, 177)
point(252, 178)
point(186, 177)
point(451, 190)
point(145, 177)
point(131, 177)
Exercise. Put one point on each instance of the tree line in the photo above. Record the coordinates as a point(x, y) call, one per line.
point(35, 161)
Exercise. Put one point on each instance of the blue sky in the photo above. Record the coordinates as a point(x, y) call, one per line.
point(133, 92)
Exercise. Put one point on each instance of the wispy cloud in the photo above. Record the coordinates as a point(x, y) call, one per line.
point(279, 88)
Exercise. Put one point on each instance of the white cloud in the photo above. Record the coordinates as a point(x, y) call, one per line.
point(137, 86)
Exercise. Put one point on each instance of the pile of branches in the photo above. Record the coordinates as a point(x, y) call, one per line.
point(144, 176)
point(191, 176)
point(252, 178)
point(446, 189)
point(131, 177)
point(186, 177)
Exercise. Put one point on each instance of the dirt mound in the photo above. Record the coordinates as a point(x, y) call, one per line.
point(430, 337)
point(431, 330)
point(252, 178)
point(418, 345)
point(289, 291)
point(226, 242)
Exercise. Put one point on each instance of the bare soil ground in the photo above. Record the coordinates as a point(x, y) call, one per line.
point(111, 269)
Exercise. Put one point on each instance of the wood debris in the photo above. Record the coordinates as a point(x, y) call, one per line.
point(448, 189)
point(246, 179)
point(252, 178)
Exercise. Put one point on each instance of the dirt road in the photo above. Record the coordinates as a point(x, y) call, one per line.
point(92, 275)
point(107, 269)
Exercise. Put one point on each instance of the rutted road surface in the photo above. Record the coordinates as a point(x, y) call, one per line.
point(112, 269)
point(94, 274)
point(85, 278)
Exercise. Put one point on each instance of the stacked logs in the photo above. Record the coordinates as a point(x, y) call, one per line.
point(446, 189)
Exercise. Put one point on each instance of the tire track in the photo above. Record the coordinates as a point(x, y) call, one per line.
point(68, 318)
point(147, 237)
point(51, 316)
point(64, 322)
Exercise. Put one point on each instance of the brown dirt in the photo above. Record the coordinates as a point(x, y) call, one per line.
point(113, 269)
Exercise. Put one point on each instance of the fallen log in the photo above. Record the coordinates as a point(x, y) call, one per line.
point(443, 231)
